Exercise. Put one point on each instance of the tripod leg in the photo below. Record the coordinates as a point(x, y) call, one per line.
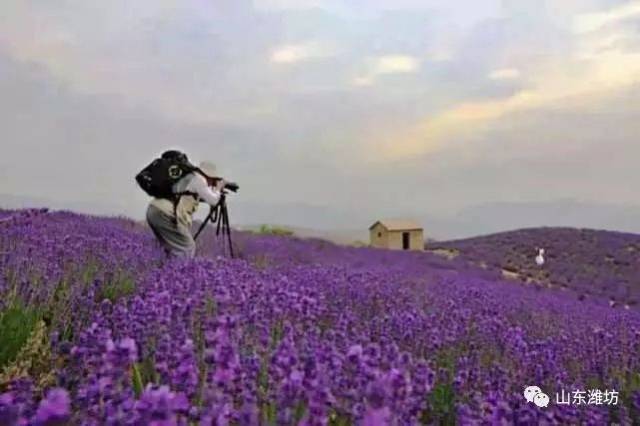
point(220, 217)
point(227, 230)
point(229, 237)
point(204, 224)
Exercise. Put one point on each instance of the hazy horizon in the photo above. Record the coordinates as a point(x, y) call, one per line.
point(345, 226)
point(360, 110)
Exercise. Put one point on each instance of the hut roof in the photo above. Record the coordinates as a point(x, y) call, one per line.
point(397, 224)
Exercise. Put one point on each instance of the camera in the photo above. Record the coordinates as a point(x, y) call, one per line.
point(229, 186)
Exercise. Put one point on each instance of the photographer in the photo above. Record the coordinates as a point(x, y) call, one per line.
point(176, 198)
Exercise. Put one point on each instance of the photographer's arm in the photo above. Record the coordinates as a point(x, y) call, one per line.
point(209, 195)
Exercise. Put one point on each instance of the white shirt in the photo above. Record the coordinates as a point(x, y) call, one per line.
point(198, 185)
point(187, 206)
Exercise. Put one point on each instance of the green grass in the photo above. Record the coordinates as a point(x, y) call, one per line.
point(137, 380)
point(120, 286)
point(339, 419)
point(299, 412)
point(269, 414)
point(143, 373)
point(442, 401)
point(274, 230)
point(17, 322)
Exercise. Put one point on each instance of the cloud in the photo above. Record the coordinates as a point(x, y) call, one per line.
point(385, 65)
point(459, 122)
point(504, 74)
point(466, 121)
point(392, 64)
point(362, 81)
point(588, 22)
point(597, 65)
point(455, 14)
point(288, 4)
point(293, 53)
point(442, 54)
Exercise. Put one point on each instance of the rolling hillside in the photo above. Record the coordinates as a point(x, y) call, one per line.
point(591, 263)
point(97, 326)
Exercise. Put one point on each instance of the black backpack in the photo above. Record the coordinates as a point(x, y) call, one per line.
point(158, 178)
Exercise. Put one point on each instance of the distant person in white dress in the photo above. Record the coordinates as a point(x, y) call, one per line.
point(540, 257)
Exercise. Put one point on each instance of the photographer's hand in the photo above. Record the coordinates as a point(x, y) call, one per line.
point(220, 185)
point(206, 190)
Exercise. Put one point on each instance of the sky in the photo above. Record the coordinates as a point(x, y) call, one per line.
point(383, 108)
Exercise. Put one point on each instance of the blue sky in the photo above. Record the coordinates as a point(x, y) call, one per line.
point(389, 107)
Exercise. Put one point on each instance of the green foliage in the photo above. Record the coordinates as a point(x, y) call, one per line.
point(275, 230)
point(339, 419)
point(299, 411)
point(442, 404)
point(136, 380)
point(264, 229)
point(277, 333)
point(448, 357)
point(119, 286)
point(263, 377)
point(17, 323)
point(34, 360)
point(143, 373)
point(10, 292)
point(56, 312)
point(60, 294)
point(90, 270)
point(269, 414)
point(211, 307)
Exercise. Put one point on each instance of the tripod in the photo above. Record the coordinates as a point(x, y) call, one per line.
point(219, 215)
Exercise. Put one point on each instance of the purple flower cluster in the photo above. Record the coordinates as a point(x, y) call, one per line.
point(299, 332)
point(54, 409)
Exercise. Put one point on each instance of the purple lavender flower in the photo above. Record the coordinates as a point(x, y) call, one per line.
point(55, 409)
point(9, 410)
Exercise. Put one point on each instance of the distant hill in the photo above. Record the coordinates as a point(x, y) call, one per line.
point(344, 226)
point(589, 262)
point(22, 202)
point(18, 202)
point(499, 217)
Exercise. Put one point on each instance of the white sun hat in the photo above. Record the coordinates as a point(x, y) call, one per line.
point(208, 168)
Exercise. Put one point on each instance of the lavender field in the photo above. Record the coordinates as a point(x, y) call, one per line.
point(96, 327)
point(590, 263)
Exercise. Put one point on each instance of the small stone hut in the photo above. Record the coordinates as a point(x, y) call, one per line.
point(397, 234)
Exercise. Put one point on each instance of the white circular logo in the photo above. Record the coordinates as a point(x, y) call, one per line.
point(175, 172)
